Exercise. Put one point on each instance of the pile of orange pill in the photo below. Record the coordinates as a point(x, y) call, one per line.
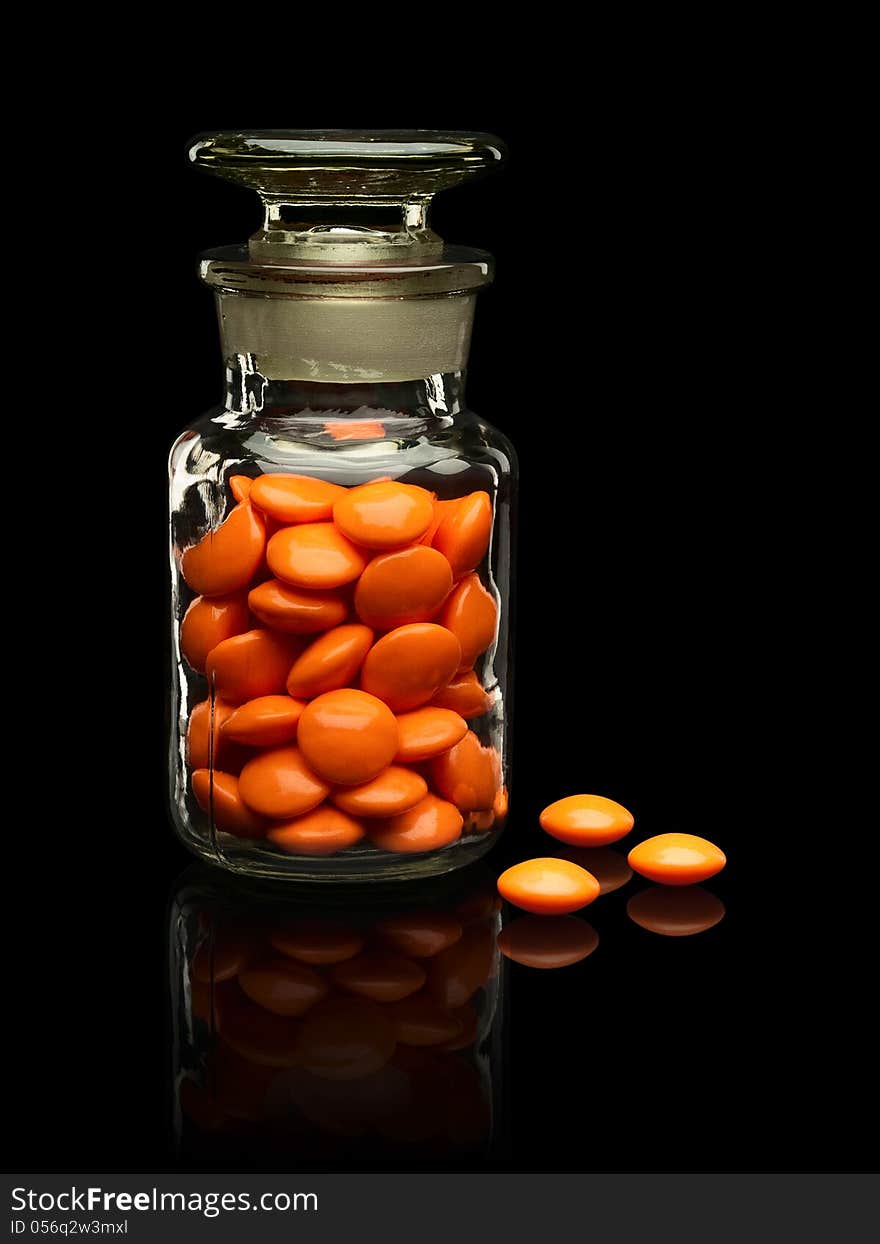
point(339, 629)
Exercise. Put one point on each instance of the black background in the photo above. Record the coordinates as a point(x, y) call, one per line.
point(619, 349)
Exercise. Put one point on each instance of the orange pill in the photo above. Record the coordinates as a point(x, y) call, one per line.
point(251, 665)
point(468, 775)
point(317, 941)
point(227, 559)
point(548, 887)
point(379, 976)
point(279, 783)
point(472, 615)
point(268, 721)
point(586, 820)
point(222, 800)
point(548, 941)
point(355, 429)
point(348, 736)
point(676, 859)
point(384, 515)
point(421, 1021)
point(207, 622)
point(240, 486)
point(427, 732)
point(431, 824)
point(420, 934)
point(440, 510)
point(456, 974)
point(296, 610)
point(324, 831)
point(463, 534)
point(407, 586)
point(608, 867)
point(331, 661)
point(314, 555)
point(410, 664)
point(226, 756)
point(283, 986)
point(463, 695)
point(295, 498)
point(675, 913)
point(392, 791)
point(346, 1038)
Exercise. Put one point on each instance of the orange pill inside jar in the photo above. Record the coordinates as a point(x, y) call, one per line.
point(331, 661)
point(586, 820)
point(464, 531)
point(410, 664)
point(431, 824)
point(240, 486)
point(280, 784)
point(472, 615)
point(227, 559)
point(676, 859)
point(427, 732)
point(251, 665)
point(392, 791)
point(226, 756)
point(222, 799)
point(296, 610)
point(384, 515)
point(548, 886)
point(208, 621)
point(324, 831)
point(465, 695)
point(314, 555)
point(268, 721)
point(398, 588)
point(468, 775)
point(295, 498)
point(348, 736)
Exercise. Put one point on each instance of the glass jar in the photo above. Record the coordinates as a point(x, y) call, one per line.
point(341, 527)
point(365, 1029)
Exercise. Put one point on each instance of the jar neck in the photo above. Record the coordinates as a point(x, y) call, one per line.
point(352, 406)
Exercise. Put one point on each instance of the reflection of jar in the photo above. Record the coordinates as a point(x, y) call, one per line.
point(361, 1030)
point(340, 527)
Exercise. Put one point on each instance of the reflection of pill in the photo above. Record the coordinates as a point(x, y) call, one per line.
point(279, 783)
point(348, 736)
point(426, 732)
point(295, 498)
point(314, 555)
point(394, 790)
point(402, 587)
point(586, 820)
point(547, 941)
point(464, 695)
point(675, 913)
point(283, 986)
point(384, 515)
point(468, 775)
point(208, 621)
point(225, 560)
point(346, 1038)
point(199, 1106)
point(331, 661)
point(420, 934)
point(222, 956)
point(469, 1019)
point(463, 534)
point(419, 1020)
point(317, 941)
point(323, 831)
point(676, 859)
point(240, 1086)
point(608, 867)
point(409, 664)
point(251, 665)
point(431, 824)
point(383, 977)
point(296, 610)
point(222, 799)
point(252, 1031)
point(548, 886)
point(268, 721)
point(455, 974)
point(471, 614)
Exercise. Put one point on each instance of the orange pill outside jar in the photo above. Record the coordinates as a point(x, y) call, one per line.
point(676, 859)
point(586, 820)
point(548, 886)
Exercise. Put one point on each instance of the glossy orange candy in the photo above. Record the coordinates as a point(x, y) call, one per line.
point(464, 530)
point(240, 486)
point(427, 732)
point(226, 756)
point(676, 859)
point(207, 622)
point(431, 824)
point(251, 665)
point(468, 775)
point(398, 588)
point(586, 820)
point(229, 810)
point(314, 555)
point(384, 515)
point(296, 610)
point(331, 661)
point(267, 721)
point(295, 498)
point(323, 831)
point(464, 695)
point(227, 559)
point(472, 615)
point(393, 791)
point(409, 664)
point(548, 886)
point(280, 784)
point(348, 736)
